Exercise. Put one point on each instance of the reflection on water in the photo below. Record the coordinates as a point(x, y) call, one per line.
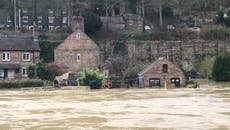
point(129, 109)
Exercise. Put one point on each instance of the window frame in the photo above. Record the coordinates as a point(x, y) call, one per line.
point(78, 58)
point(27, 56)
point(78, 36)
point(24, 72)
point(25, 19)
point(8, 19)
point(51, 19)
point(6, 56)
point(165, 68)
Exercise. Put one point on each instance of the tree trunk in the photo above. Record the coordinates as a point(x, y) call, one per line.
point(160, 11)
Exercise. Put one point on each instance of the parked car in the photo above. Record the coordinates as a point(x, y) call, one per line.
point(194, 29)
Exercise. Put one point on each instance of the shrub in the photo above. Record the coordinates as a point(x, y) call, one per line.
point(91, 78)
point(219, 33)
point(221, 69)
point(31, 71)
point(21, 83)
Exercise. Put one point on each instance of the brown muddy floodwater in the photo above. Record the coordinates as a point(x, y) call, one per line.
point(205, 108)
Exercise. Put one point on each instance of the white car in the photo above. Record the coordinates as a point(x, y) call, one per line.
point(194, 29)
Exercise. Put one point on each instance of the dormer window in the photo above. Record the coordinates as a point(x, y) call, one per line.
point(78, 58)
point(78, 36)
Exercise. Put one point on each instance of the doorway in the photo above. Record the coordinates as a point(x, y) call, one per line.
point(5, 73)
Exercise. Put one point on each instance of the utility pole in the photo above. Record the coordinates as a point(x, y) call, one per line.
point(15, 16)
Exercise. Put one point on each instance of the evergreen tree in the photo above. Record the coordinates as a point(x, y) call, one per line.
point(221, 69)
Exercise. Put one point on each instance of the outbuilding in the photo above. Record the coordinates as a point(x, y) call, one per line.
point(162, 73)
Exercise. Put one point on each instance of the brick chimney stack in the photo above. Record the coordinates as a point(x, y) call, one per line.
point(77, 23)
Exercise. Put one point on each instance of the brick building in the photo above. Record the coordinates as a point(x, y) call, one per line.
point(160, 73)
point(78, 50)
point(16, 53)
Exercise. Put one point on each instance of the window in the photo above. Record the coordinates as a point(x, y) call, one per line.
point(78, 36)
point(175, 81)
point(64, 12)
point(26, 56)
point(25, 26)
point(8, 19)
point(78, 57)
point(24, 72)
point(50, 11)
point(154, 82)
point(64, 20)
point(51, 27)
point(25, 19)
point(6, 56)
point(51, 19)
point(40, 27)
point(39, 19)
point(165, 68)
point(25, 11)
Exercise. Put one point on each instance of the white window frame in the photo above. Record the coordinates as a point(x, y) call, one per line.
point(78, 36)
point(51, 19)
point(26, 56)
point(78, 58)
point(51, 27)
point(39, 19)
point(25, 19)
point(50, 11)
point(6, 56)
point(24, 72)
point(8, 19)
point(64, 20)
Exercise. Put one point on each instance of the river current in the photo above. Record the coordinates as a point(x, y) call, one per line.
point(205, 108)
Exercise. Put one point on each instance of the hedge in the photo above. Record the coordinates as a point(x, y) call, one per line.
point(21, 83)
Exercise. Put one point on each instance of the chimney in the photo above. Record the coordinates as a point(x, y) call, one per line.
point(77, 23)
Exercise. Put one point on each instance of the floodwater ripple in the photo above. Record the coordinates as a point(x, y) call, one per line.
point(129, 109)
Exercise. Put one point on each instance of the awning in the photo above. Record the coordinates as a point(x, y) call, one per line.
point(9, 66)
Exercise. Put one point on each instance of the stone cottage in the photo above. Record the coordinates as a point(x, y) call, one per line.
point(78, 51)
point(162, 73)
point(16, 53)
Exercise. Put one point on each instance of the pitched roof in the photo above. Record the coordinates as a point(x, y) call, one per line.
point(15, 43)
point(151, 66)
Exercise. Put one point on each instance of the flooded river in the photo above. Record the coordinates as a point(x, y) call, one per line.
point(205, 108)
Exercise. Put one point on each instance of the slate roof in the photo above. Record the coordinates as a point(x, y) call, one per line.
point(15, 43)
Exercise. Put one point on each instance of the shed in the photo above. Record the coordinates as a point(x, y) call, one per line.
point(161, 73)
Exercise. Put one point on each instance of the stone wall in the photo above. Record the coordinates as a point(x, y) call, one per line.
point(180, 52)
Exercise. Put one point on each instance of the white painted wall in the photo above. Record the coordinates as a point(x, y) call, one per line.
point(1, 72)
point(11, 74)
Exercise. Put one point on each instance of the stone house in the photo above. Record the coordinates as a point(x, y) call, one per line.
point(78, 50)
point(162, 73)
point(16, 53)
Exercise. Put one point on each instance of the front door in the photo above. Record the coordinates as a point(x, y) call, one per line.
point(154, 82)
point(5, 73)
point(176, 81)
